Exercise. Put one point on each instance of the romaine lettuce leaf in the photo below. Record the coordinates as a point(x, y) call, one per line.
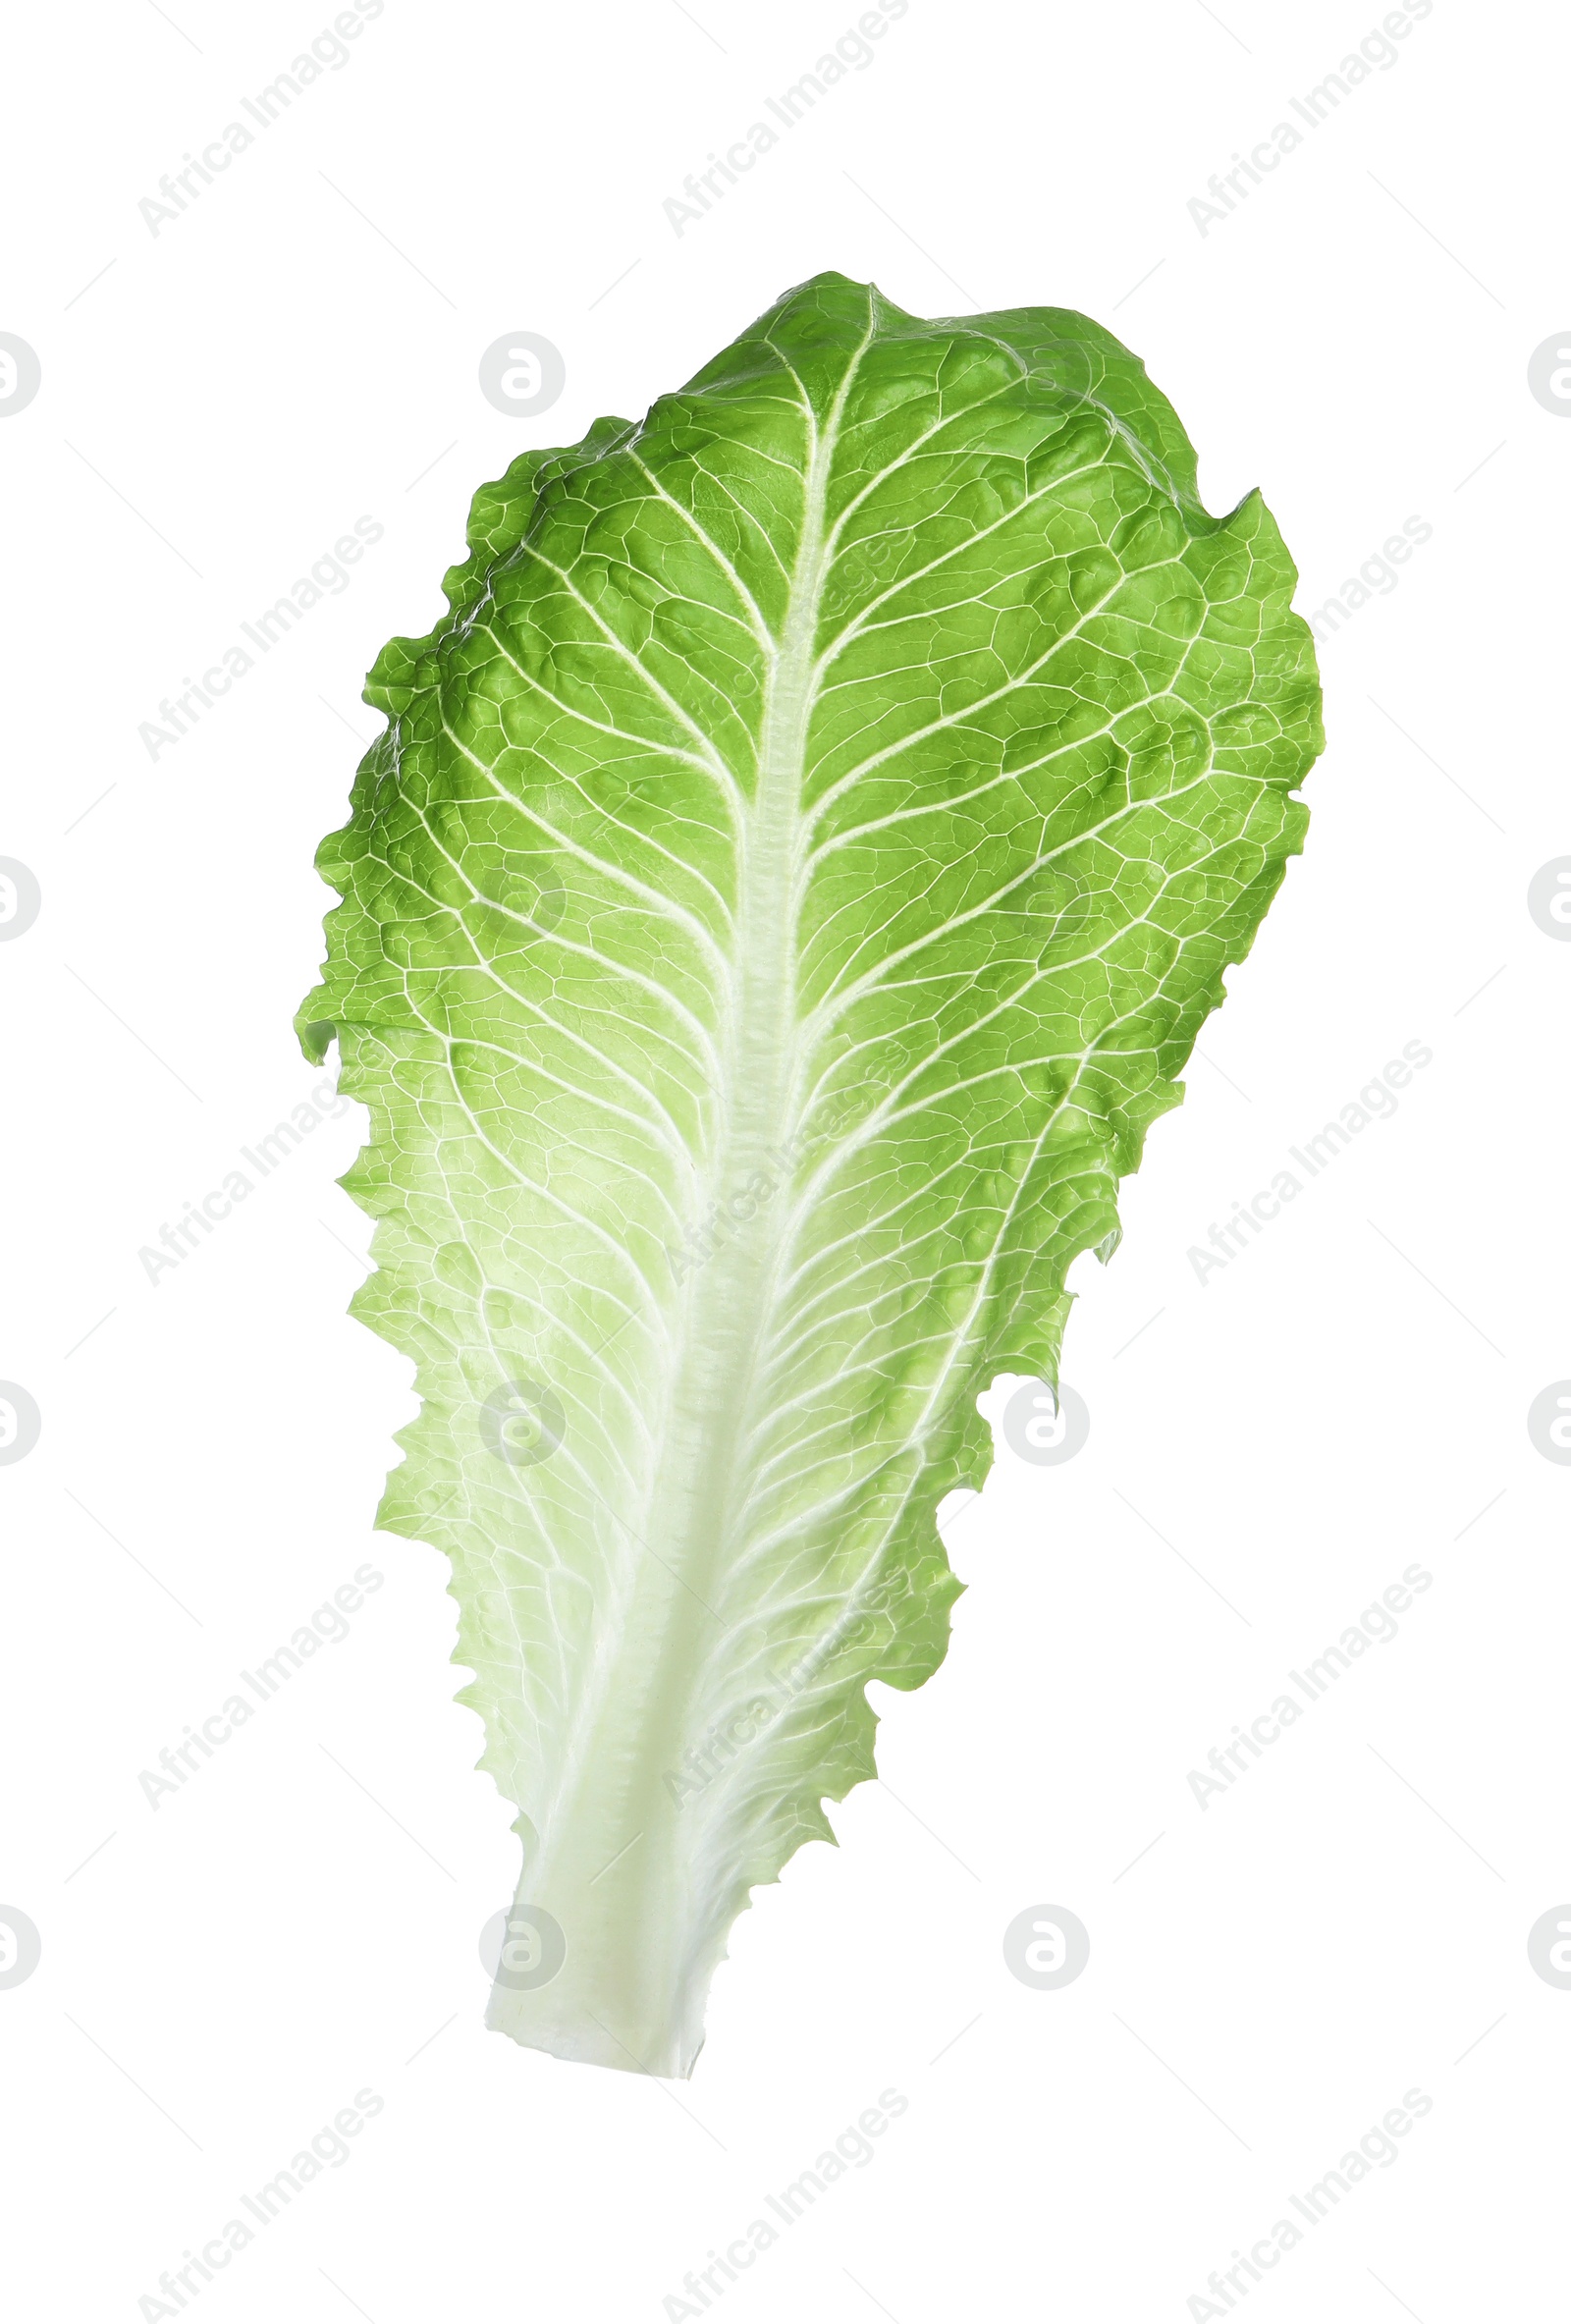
point(788, 886)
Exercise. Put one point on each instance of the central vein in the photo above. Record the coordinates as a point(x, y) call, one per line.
point(660, 1640)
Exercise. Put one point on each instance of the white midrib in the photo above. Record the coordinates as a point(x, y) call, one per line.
point(610, 1858)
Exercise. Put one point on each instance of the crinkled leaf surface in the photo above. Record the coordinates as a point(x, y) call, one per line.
point(786, 888)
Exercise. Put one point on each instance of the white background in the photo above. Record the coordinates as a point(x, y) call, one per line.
point(1349, 1922)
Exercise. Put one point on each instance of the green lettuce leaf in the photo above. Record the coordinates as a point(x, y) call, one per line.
point(788, 885)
